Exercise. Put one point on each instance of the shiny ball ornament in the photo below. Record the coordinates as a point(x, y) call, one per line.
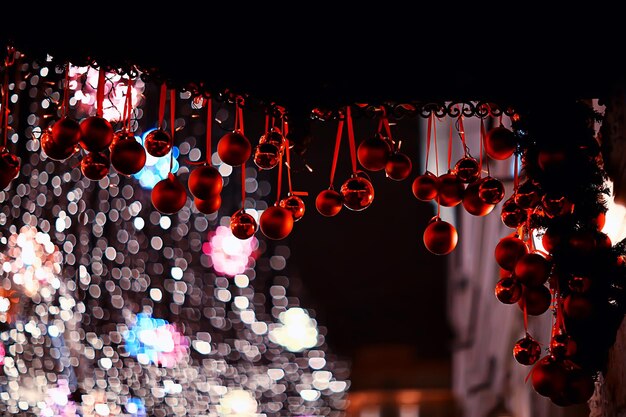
point(440, 237)
point(508, 290)
point(373, 153)
point(508, 251)
point(242, 225)
point(9, 168)
point(551, 159)
point(266, 156)
point(329, 203)
point(276, 222)
point(579, 386)
point(548, 377)
point(562, 345)
point(169, 195)
point(295, 205)
point(234, 148)
point(357, 193)
point(603, 241)
point(398, 166)
point(96, 134)
point(54, 151)
point(527, 195)
point(158, 143)
point(273, 137)
point(583, 242)
point(205, 182)
point(473, 204)
point(62, 140)
point(537, 299)
point(578, 307)
point(527, 351)
point(555, 205)
point(128, 157)
point(467, 169)
point(512, 215)
point(450, 190)
point(599, 221)
point(95, 166)
point(500, 143)
point(579, 284)
point(491, 190)
point(532, 270)
point(425, 186)
point(209, 206)
point(554, 238)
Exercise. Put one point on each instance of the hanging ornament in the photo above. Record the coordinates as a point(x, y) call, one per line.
point(562, 345)
point(579, 386)
point(467, 169)
point(527, 195)
point(168, 195)
point(450, 190)
point(425, 186)
point(271, 146)
point(551, 160)
point(158, 142)
point(603, 241)
point(242, 225)
point(599, 221)
point(9, 163)
point(536, 299)
point(398, 166)
point(276, 222)
point(95, 166)
point(548, 377)
point(555, 236)
point(527, 350)
point(374, 152)
point(128, 157)
point(62, 140)
point(293, 203)
point(329, 203)
point(274, 137)
point(500, 143)
point(555, 205)
point(508, 251)
point(211, 205)
point(357, 193)
point(512, 215)
point(440, 237)
point(491, 190)
point(579, 284)
point(234, 148)
point(582, 242)
point(472, 202)
point(9, 167)
point(508, 290)
point(578, 307)
point(532, 270)
point(96, 133)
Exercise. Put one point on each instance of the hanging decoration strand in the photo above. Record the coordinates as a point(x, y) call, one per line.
point(172, 124)
point(243, 186)
point(450, 141)
point(351, 139)
point(280, 178)
point(427, 144)
point(288, 155)
point(128, 106)
point(483, 136)
point(333, 168)
point(5, 106)
point(162, 99)
point(209, 125)
point(100, 92)
point(434, 127)
point(66, 91)
point(516, 173)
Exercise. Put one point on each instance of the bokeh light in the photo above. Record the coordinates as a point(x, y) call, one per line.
point(296, 331)
point(229, 255)
point(156, 341)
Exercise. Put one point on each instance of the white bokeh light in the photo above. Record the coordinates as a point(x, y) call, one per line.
point(296, 331)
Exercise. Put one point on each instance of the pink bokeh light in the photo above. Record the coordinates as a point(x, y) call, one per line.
point(229, 255)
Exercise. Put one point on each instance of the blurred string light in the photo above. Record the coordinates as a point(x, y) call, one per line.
point(229, 255)
point(296, 331)
point(58, 403)
point(238, 403)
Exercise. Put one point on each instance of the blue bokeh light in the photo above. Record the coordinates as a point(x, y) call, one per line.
point(156, 169)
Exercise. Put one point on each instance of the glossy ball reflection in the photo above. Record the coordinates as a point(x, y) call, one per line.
point(357, 193)
point(128, 157)
point(500, 143)
point(242, 225)
point(158, 143)
point(169, 195)
point(205, 182)
point(234, 148)
point(425, 186)
point(62, 140)
point(398, 166)
point(276, 222)
point(512, 215)
point(509, 251)
point(491, 190)
point(211, 205)
point(527, 351)
point(508, 290)
point(95, 166)
point(295, 205)
point(467, 169)
point(9, 167)
point(440, 237)
point(266, 156)
point(96, 134)
point(373, 153)
point(472, 202)
point(329, 203)
point(450, 190)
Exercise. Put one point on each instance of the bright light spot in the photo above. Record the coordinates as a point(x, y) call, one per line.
point(223, 295)
point(338, 386)
point(201, 347)
point(309, 394)
point(53, 331)
point(156, 294)
point(238, 403)
point(177, 273)
point(225, 170)
point(230, 255)
point(241, 302)
point(5, 304)
point(259, 327)
point(276, 374)
point(317, 363)
point(242, 281)
point(102, 409)
point(139, 223)
point(156, 341)
point(165, 222)
point(615, 226)
point(106, 363)
point(296, 332)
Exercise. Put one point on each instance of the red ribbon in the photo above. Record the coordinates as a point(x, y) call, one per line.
point(128, 106)
point(162, 99)
point(285, 132)
point(209, 123)
point(243, 186)
point(483, 135)
point(384, 123)
point(462, 134)
point(351, 138)
point(280, 178)
point(66, 91)
point(267, 123)
point(4, 116)
point(450, 140)
point(100, 92)
point(238, 118)
point(434, 128)
point(525, 310)
point(516, 173)
point(336, 153)
point(172, 123)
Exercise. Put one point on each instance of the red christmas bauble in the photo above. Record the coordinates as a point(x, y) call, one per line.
point(500, 143)
point(158, 143)
point(583, 242)
point(95, 166)
point(549, 377)
point(9, 167)
point(527, 195)
point(537, 299)
point(274, 137)
point(357, 193)
point(169, 195)
point(554, 237)
point(579, 284)
point(234, 148)
point(512, 215)
point(577, 307)
point(579, 387)
point(467, 169)
point(508, 251)
point(54, 151)
point(211, 205)
point(450, 190)
point(242, 225)
point(425, 186)
point(603, 241)
point(491, 190)
point(472, 202)
point(440, 237)
point(266, 156)
point(96, 134)
point(532, 270)
point(398, 166)
point(62, 140)
point(551, 159)
point(205, 182)
point(508, 290)
point(562, 345)
point(128, 157)
point(328, 203)
point(599, 221)
point(555, 205)
point(276, 222)
point(295, 205)
point(527, 350)
point(373, 153)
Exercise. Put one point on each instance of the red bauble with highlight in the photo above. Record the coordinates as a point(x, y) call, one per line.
point(491, 190)
point(357, 193)
point(234, 148)
point(205, 182)
point(276, 222)
point(295, 205)
point(508, 251)
point(158, 143)
point(472, 202)
point(373, 153)
point(467, 169)
point(168, 195)
point(329, 203)
point(95, 166)
point(398, 166)
point(209, 206)
point(425, 186)
point(440, 237)
point(532, 270)
point(578, 307)
point(266, 156)
point(583, 242)
point(500, 143)
point(450, 190)
point(96, 134)
point(527, 351)
point(128, 157)
point(562, 345)
point(537, 299)
point(579, 387)
point(9, 168)
point(512, 215)
point(242, 225)
point(549, 377)
point(508, 290)
point(62, 140)
point(551, 159)
point(528, 195)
